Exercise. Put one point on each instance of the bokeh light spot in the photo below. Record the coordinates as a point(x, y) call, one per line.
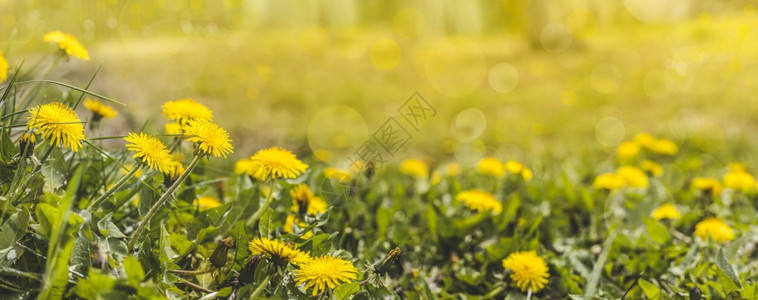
point(503, 77)
point(334, 132)
point(468, 125)
point(609, 131)
point(385, 54)
point(455, 66)
point(555, 38)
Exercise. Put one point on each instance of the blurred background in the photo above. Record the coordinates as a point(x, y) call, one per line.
point(515, 79)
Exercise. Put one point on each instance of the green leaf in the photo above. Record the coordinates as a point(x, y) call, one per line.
point(724, 265)
point(594, 278)
point(657, 232)
point(54, 172)
point(383, 220)
point(346, 290)
point(651, 290)
point(56, 275)
point(264, 224)
point(94, 286)
point(14, 229)
point(47, 216)
point(107, 228)
point(134, 272)
point(7, 147)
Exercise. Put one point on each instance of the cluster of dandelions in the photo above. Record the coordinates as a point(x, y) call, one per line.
point(637, 168)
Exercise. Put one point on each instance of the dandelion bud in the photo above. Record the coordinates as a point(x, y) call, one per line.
point(219, 256)
point(26, 144)
point(391, 258)
point(247, 273)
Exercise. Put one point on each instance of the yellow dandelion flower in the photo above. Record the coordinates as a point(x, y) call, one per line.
point(209, 137)
point(516, 168)
point(652, 168)
point(530, 272)
point(741, 181)
point(278, 250)
point(3, 67)
point(325, 271)
point(491, 166)
point(666, 211)
point(289, 226)
point(627, 150)
point(175, 169)
point(185, 110)
point(632, 176)
point(151, 151)
point(452, 169)
point(338, 174)
point(304, 202)
point(99, 109)
point(206, 202)
point(28, 137)
point(644, 139)
point(173, 128)
point(714, 228)
point(58, 123)
point(273, 163)
point(608, 181)
point(68, 43)
point(707, 185)
point(415, 168)
point(480, 201)
point(736, 167)
point(664, 146)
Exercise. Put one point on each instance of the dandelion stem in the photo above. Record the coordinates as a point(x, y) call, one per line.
point(162, 200)
point(113, 188)
point(261, 287)
point(529, 295)
point(269, 198)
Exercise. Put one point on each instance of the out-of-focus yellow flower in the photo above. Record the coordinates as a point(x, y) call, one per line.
point(530, 272)
point(129, 168)
point(627, 150)
point(707, 185)
point(491, 166)
point(736, 167)
point(338, 174)
point(272, 163)
point(173, 128)
point(209, 138)
point(633, 177)
point(415, 168)
point(304, 202)
point(436, 178)
point(325, 272)
point(664, 146)
point(58, 123)
point(184, 110)
point(644, 139)
point(516, 168)
point(100, 110)
point(666, 211)
point(68, 43)
point(452, 169)
point(206, 202)
point(480, 201)
point(652, 168)
point(714, 228)
point(175, 169)
point(289, 226)
point(3, 67)
point(741, 181)
point(608, 181)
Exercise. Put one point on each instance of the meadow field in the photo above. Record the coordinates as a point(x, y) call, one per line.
point(351, 149)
